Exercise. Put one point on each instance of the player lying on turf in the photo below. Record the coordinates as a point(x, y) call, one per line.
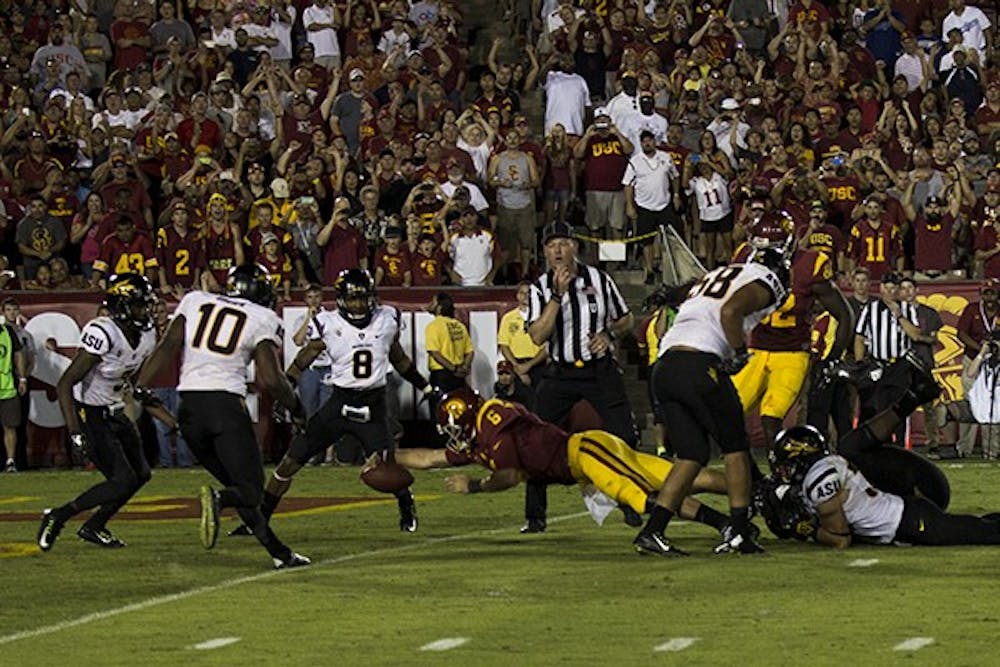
point(828, 500)
point(516, 445)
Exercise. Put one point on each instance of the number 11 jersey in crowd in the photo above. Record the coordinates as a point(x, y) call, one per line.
point(220, 336)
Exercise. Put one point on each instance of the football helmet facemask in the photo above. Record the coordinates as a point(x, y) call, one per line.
point(456, 417)
point(795, 450)
point(130, 299)
point(355, 296)
point(772, 242)
point(251, 282)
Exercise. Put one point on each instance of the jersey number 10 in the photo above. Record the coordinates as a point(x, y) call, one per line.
point(213, 320)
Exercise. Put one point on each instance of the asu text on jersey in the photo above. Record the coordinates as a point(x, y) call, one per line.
point(104, 384)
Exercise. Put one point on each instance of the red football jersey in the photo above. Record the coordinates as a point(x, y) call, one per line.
point(394, 266)
point(508, 436)
point(875, 249)
point(826, 239)
point(119, 257)
point(220, 251)
point(427, 271)
point(933, 243)
point(180, 256)
point(788, 328)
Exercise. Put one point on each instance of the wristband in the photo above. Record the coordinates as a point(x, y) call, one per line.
point(475, 485)
point(413, 376)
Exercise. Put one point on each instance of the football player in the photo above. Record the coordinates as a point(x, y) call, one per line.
point(219, 335)
point(779, 345)
point(516, 445)
point(848, 507)
point(705, 346)
point(91, 397)
point(362, 339)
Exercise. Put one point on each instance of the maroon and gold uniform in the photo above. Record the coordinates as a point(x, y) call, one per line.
point(279, 267)
point(394, 266)
point(780, 343)
point(933, 243)
point(220, 250)
point(255, 248)
point(428, 271)
point(828, 240)
point(509, 437)
point(180, 256)
point(875, 248)
point(137, 256)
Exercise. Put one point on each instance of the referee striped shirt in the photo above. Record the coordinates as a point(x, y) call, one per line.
point(591, 304)
point(884, 336)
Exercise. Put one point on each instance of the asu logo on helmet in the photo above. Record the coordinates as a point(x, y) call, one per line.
point(129, 299)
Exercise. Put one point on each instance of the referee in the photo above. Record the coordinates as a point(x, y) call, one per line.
point(577, 311)
point(886, 331)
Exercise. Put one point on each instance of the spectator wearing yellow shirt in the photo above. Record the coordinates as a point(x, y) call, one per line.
point(527, 360)
point(449, 346)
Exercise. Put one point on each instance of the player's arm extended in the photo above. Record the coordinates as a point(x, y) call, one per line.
point(406, 368)
point(165, 352)
point(269, 374)
point(306, 355)
point(82, 363)
point(832, 299)
point(500, 480)
point(420, 458)
point(834, 530)
point(747, 300)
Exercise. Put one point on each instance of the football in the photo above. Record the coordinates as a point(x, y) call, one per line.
point(387, 477)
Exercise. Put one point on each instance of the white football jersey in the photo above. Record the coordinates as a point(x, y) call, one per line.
point(698, 323)
point(872, 514)
point(359, 357)
point(220, 336)
point(105, 383)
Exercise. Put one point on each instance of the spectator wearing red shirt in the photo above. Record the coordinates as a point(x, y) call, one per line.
point(604, 151)
point(125, 250)
point(197, 129)
point(809, 15)
point(130, 36)
point(179, 253)
point(934, 230)
point(392, 261)
point(139, 203)
point(427, 262)
point(272, 257)
point(344, 246)
point(821, 235)
point(987, 244)
point(874, 243)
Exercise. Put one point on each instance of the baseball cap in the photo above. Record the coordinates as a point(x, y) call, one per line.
point(990, 284)
point(279, 188)
point(730, 104)
point(356, 74)
point(557, 230)
point(218, 197)
point(601, 111)
point(267, 237)
point(180, 205)
point(892, 278)
point(393, 231)
point(817, 203)
point(504, 366)
point(934, 199)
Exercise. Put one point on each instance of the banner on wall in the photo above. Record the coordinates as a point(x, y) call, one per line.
point(55, 320)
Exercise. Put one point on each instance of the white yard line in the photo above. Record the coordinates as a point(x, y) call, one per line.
point(863, 562)
point(913, 644)
point(238, 581)
point(218, 642)
point(676, 644)
point(445, 644)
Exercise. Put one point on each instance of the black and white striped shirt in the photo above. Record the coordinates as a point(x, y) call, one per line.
point(884, 336)
point(591, 305)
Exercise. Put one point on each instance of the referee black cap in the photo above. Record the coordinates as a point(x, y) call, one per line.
point(557, 230)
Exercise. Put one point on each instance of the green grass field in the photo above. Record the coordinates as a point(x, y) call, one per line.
point(575, 595)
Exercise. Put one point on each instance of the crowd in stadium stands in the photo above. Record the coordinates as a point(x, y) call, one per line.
point(179, 140)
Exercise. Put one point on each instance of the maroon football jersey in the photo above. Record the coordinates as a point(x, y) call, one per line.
point(874, 249)
point(180, 256)
point(427, 271)
point(508, 436)
point(394, 266)
point(220, 251)
point(119, 257)
point(933, 243)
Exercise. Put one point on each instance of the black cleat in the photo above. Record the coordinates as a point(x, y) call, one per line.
point(102, 537)
point(923, 386)
point(631, 518)
point(292, 560)
point(740, 544)
point(407, 513)
point(533, 526)
point(241, 530)
point(48, 531)
point(210, 511)
point(657, 545)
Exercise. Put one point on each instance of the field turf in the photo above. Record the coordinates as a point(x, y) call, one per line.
point(573, 596)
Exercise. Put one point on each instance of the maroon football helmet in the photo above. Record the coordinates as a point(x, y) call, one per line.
point(456, 417)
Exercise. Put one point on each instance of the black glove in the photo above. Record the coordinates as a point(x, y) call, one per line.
point(80, 445)
point(735, 363)
point(146, 396)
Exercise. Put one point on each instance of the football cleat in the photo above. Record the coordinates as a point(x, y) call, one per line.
point(102, 537)
point(533, 526)
point(657, 545)
point(728, 533)
point(241, 530)
point(48, 531)
point(11, 466)
point(210, 511)
point(740, 544)
point(407, 513)
point(292, 560)
point(631, 517)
